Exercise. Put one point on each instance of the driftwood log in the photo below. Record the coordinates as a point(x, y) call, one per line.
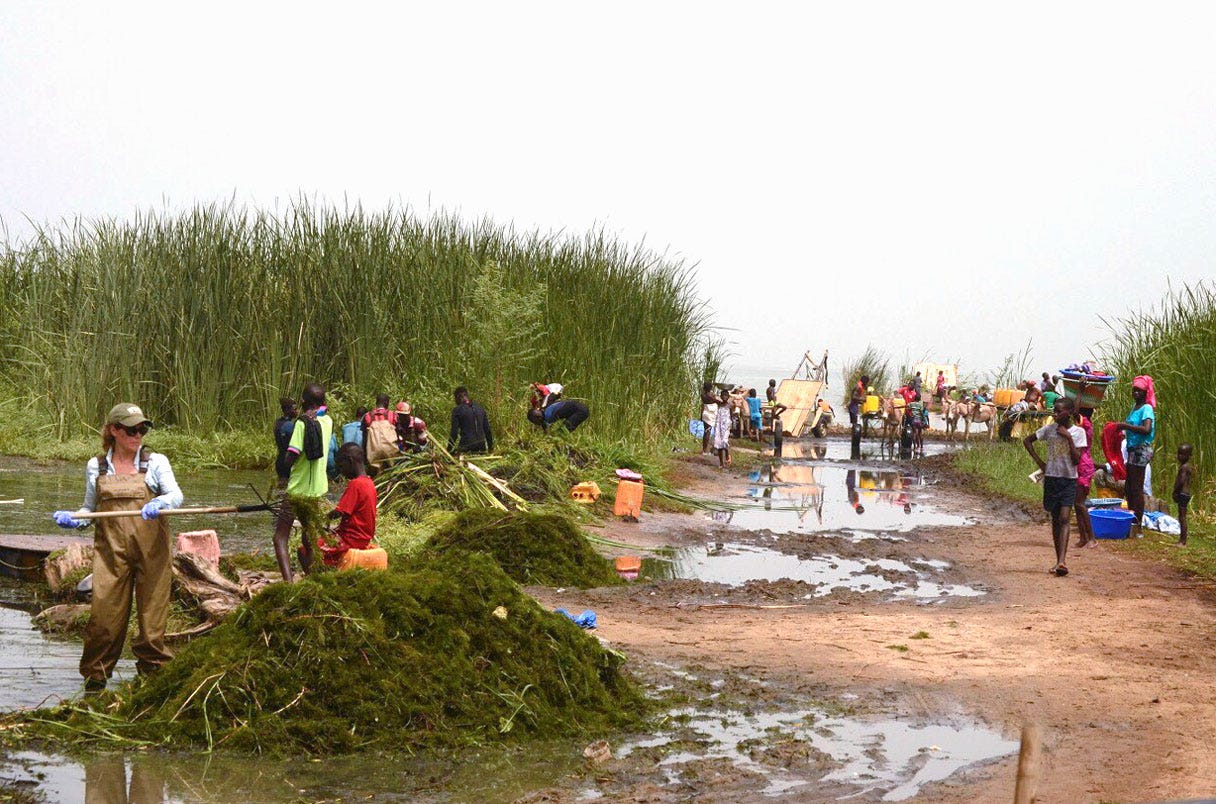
point(197, 584)
point(69, 563)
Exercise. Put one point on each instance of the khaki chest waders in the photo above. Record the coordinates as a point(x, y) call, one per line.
point(130, 556)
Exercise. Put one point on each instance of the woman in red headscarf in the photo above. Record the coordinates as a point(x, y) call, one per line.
point(1139, 428)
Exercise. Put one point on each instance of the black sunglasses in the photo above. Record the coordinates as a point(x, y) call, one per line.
point(139, 429)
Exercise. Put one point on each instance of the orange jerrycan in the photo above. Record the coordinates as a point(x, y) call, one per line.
point(628, 498)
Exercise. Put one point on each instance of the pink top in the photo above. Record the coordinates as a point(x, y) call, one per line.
point(1085, 467)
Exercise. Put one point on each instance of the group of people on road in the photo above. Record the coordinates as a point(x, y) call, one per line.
point(1068, 469)
point(722, 412)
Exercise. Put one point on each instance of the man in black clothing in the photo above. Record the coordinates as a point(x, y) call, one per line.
point(470, 427)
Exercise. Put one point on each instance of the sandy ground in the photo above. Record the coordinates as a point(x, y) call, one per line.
point(1114, 662)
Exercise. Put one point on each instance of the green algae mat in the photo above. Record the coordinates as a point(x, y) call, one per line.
point(446, 654)
point(543, 549)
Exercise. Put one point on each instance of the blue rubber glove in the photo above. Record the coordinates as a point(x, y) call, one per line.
point(64, 519)
point(152, 509)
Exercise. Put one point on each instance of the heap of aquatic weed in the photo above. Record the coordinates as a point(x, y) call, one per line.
point(400, 660)
point(545, 549)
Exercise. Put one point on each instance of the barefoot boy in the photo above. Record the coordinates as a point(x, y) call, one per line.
point(1065, 441)
point(1182, 487)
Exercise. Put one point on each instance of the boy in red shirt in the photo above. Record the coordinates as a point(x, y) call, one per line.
point(356, 509)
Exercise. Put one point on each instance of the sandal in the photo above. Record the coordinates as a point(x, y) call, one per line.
point(1061, 571)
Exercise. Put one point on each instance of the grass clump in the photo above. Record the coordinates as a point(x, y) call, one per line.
point(1002, 468)
point(448, 654)
point(532, 548)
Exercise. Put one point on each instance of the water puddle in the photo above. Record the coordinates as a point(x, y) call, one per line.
point(808, 498)
point(790, 749)
point(736, 564)
point(37, 670)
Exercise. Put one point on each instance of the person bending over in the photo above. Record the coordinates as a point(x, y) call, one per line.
point(571, 412)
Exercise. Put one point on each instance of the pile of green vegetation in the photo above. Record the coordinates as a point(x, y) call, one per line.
point(546, 549)
point(446, 654)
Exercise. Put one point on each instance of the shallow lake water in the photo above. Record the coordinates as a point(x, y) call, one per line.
point(37, 670)
point(48, 487)
point(491, 775)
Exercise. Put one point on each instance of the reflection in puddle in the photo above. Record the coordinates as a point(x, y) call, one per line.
point(837, 449)
point(888, 756)
point(800, 497)
point(736, 564)
point(496, 774)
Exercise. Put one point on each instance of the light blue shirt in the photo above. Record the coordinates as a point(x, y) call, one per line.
point(1137, 417)
point(159, 478)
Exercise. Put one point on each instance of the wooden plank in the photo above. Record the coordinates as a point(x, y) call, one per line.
point(21, 556)
point(38, 543)
point(799, 396)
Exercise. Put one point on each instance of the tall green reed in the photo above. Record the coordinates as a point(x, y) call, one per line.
point(208, 316)
point(1175, 343)
point(874, 363)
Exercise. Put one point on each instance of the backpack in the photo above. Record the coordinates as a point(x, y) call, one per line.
point(282, 439)
point(381, 442)
point(314, 446)
point(331, 459)
point(352, 433)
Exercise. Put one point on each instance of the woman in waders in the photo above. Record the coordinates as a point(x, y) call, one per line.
point(130, 554)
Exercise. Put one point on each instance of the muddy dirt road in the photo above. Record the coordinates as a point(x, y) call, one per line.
point(1114, 661)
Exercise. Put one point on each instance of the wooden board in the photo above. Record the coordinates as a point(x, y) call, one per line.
point(21, 556)
point(799, 396)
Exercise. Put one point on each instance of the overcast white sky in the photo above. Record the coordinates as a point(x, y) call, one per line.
point(941, 179)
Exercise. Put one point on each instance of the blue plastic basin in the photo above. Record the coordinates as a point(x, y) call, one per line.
point(1112, 524)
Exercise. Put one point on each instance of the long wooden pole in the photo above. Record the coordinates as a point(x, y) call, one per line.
point(1028, 765)
point(224, 509)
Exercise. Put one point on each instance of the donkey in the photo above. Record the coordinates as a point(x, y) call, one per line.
point(980, 414)
point(952, 411)
point(892, 422)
